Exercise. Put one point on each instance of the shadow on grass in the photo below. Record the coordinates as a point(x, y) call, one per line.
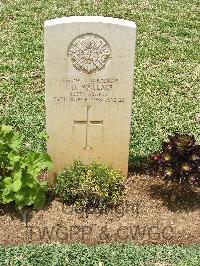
point(138, 165)
point(187, 200)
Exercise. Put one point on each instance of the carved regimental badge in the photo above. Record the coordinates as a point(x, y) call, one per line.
point(89, 53)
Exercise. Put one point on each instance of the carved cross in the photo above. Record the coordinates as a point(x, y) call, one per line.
point(88, 123)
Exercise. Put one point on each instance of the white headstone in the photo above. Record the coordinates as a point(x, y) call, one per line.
point(89, 63)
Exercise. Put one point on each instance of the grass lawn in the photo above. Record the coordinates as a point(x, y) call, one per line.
point(166, 92)
point(115, 255)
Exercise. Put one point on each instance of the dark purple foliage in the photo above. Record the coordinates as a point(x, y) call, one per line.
point(179, 160)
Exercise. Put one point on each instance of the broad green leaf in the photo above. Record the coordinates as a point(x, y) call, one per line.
point(23, 162)
point(7, 181)
point(19, 195)
point(19, 172)
point(7, 198)
point(32, 198)
point(38, 162)
point(16, 185)
point(44, 185)
point(40, 200)
point(31, 182)
point(13, 157)
point(16, 142)
point(6, 129)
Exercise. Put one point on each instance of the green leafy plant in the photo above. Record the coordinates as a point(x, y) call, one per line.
point(19, 171)
point(94, 185)
point(179, 160)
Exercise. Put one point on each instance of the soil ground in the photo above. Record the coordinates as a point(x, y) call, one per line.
point(146, 215)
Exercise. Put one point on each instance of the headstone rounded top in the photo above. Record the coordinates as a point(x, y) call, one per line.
point(89, 19)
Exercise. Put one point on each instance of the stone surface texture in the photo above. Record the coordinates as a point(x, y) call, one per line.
point(89, 63)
